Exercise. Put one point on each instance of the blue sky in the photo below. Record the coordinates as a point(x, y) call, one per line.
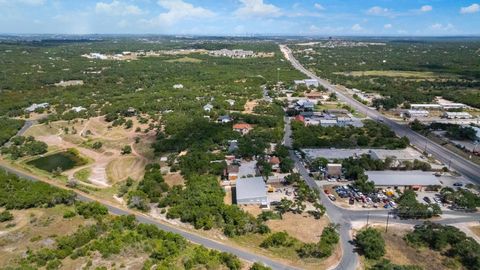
point(242, 17)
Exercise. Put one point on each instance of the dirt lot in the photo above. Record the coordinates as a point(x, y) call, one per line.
point(476, 230)
point(303, 227)
point(249, 106)
point(174, 179)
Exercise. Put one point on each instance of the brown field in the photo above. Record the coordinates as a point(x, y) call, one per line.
point(391, 73)
point(121, 168)
point(303, 227)
point(249, 106)
point(174, 179)
point(184, 60)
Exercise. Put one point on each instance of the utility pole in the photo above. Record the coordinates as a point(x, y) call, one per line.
point(388, 217)
point(368, 216)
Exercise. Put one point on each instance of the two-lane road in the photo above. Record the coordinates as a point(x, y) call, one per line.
point(467, 168)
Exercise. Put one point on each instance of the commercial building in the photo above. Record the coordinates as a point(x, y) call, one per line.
point(334, 170)
point(307, 82)
point(251, 191)
point(457, 115)
point(416, 113)
point(402, 180)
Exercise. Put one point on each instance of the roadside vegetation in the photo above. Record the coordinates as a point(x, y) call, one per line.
point(8, 128)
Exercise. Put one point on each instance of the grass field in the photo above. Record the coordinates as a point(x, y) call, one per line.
point(392, 73)
point(83, 174)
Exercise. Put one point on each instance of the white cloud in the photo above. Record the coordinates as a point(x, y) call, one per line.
point(474, 8)
point(388, 26)
point(357, 27)
point(379, 11)
point(178, 10)
point(441, 27)
point(117, 8)
point(257, 8)
point(426, 8)
point(318, 6)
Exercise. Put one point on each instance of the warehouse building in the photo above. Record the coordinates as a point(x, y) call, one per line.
point(416, 180)
point(251, 191)
point(416, 113)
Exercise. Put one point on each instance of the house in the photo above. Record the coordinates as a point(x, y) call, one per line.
point(452, 106)
point(231, 172)
point(315, 95)
point(232, 146)
point(243, 128)
point(131, 111)
point(178, 86)
point(306, 104)
point(300, 118)
point(275, 162)
point(251, 191)
point(208, 107)
point(416, 113)
point(231, 102)
point(78, 109)
point(307, 82)
point(457, 115)
point(334, 170)
point(224, 119)
point(36, 106)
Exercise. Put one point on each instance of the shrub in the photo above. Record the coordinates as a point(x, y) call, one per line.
point(371, 243)
point(6, 216)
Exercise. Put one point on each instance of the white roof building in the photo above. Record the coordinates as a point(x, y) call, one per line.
point(208, 107)
point(178, 86)
point(35, 106)
point(457, 115)
point(78, 109)
point(251, 191)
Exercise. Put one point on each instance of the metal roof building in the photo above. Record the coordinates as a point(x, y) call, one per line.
point(403, 178)
point(251, 191)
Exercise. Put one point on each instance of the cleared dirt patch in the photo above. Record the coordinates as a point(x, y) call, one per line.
point(174, 179)
point(184, 60)
point(121, 168)
point(303, 227)
point(475, 230)
point(249, 106)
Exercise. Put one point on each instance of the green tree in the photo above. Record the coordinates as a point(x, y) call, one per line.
point(371, 243)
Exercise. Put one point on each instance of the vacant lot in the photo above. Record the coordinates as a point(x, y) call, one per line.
point(303, 227)
point(184, 60)
point(399, 252)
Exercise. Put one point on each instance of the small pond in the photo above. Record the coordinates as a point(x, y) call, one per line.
point(62, 160)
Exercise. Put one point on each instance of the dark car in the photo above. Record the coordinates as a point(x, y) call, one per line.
point(351, 201)
point(458, 184)
point(427, 200)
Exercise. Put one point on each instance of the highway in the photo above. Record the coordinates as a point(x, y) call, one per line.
point(192, 237)
point(467, 168)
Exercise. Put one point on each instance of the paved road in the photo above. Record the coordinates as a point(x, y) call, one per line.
point(469, 169)
point(195, 238)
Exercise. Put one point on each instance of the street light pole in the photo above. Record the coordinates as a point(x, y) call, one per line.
point(388, 217)
point(368, 216)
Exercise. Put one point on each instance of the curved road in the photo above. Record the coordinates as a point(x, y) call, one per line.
point(469, 169)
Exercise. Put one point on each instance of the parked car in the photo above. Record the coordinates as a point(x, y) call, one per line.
point(427, 199)
point(351, 201)
point(332, 197)
point(458, 184)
